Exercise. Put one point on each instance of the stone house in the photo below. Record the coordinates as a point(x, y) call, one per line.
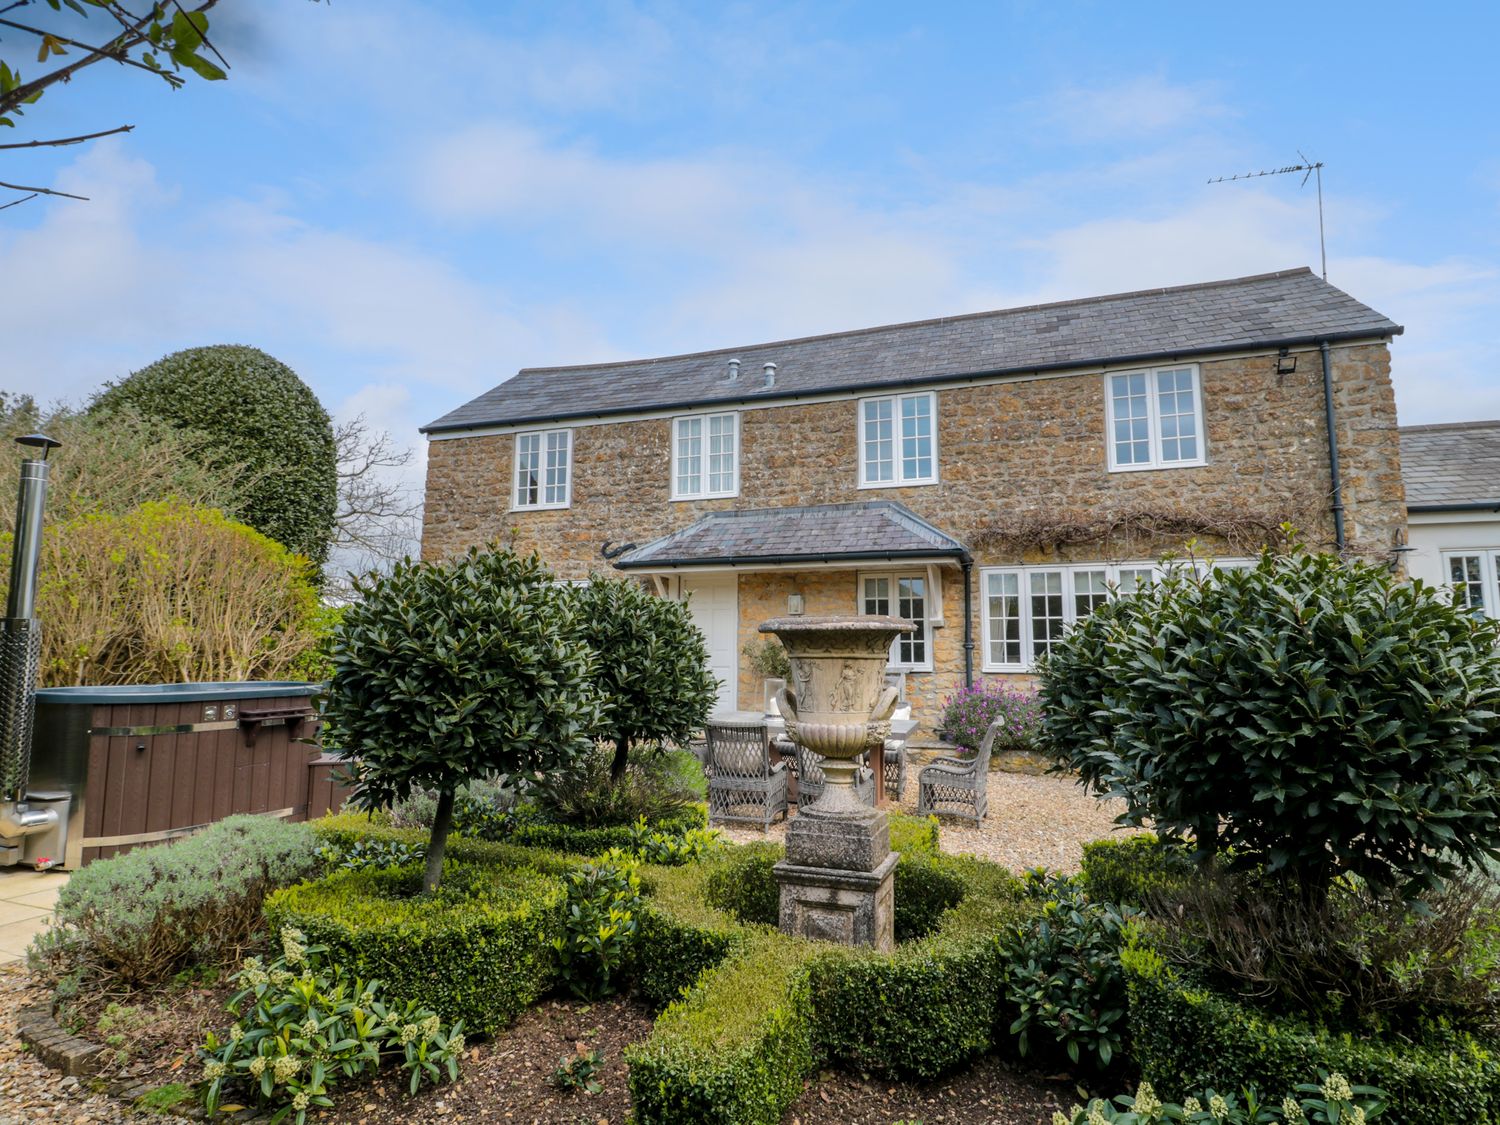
point(1452, 475)
point(992, 477)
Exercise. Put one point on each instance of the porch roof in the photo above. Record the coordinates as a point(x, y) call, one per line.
point(818, 533)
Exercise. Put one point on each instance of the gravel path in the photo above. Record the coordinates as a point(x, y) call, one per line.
point(31, 1092)
point(1032, 822)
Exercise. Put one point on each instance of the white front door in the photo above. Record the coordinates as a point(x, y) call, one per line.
point(714, 601)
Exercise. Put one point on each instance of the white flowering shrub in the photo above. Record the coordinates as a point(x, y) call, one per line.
point(1332, 1100)
point(302, 1025)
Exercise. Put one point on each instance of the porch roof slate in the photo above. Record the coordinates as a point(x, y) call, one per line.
point(875, 529)
point(1451, 466)
point(1292, 306)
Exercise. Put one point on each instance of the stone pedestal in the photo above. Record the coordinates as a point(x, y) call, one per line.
point(837, 881)
point(838, 878)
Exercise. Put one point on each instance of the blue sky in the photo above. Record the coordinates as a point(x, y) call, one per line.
point(407, 201)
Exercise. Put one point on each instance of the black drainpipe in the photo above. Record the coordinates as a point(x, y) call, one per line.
point(967, 562)
point(1333, 449)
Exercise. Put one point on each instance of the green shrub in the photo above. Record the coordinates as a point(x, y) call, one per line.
point(599, 928)
point(1327, 696)
point(536, 833)
point(735, 1049)
point(744, 885)
point(913, 833)
point(480, 950)
point(1330, 1101)
point(251, 403)
point(1134, 870)
point(1062, 973)
point(651, 666)
point(302, 1025)
point(681, 935)
point(1187, 1037)
point(448, 672)
point(138, 919)
point(933, 1004)
point(655, 785)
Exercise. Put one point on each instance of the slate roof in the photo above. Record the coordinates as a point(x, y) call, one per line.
point(877, 529)
point(1452, 466)
point(1290, 307)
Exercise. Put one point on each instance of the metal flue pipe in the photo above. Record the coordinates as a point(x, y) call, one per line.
point(20, 639)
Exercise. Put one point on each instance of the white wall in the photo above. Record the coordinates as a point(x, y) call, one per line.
point(1431, 533)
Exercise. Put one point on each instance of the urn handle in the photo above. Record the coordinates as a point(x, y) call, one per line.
point(885, 706)
point(786, 700)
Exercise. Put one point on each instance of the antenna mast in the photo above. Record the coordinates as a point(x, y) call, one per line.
point(1307, 168)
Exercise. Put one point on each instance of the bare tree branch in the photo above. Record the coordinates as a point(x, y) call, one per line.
point(108, 51)
point(42, 191)
point(71, 140)
point(377, 514)
point(18, 202)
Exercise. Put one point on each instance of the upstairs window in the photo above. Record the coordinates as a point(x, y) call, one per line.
point(1155, 418)
point(544, 469)
point(897, 442)
point(705, 456)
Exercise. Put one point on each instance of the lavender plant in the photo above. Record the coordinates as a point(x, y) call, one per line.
point(969, 711)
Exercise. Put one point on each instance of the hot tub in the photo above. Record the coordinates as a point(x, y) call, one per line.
point(145, 763)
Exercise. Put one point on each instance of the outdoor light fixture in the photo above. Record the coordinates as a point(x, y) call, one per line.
point(795, 607)
point(1285, 364)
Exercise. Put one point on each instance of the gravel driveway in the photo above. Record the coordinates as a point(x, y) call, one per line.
point(1032, 822)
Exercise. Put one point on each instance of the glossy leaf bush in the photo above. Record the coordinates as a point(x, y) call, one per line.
point(445, 672)
point(651, 664)
point(1314, 715)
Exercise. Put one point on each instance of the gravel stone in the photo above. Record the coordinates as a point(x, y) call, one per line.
point(1032, 822)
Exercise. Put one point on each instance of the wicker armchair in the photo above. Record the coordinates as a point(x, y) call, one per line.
point(811, 782)
point(894, 758)
point(957, 786)
point(743, 786)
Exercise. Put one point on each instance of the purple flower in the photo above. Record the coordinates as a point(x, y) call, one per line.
point(968, 713)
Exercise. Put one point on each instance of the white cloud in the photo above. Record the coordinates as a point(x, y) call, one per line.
point(1134, 108)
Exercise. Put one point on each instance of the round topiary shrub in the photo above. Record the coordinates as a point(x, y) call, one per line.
point(255, 409)
point(445, 672)
point(1315, 716)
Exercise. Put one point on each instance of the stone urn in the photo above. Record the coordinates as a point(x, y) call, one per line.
point(836, 881)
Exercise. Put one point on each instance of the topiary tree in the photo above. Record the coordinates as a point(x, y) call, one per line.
point(1315, 716)
point(263, 416)
point(443, 672)
point(652, 665)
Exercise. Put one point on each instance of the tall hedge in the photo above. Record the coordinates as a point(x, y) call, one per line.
point(261, 413)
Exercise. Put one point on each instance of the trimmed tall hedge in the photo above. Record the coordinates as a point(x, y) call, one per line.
point(1185, 1038)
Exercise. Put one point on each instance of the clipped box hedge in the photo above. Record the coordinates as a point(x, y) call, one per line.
point(1131, 870)
point(1186, 1038)
point(479, 950)
point(735, 1049)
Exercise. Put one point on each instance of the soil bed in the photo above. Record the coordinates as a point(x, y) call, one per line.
point(987, 1092)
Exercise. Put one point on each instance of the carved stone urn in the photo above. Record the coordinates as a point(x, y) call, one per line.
point(836, 880)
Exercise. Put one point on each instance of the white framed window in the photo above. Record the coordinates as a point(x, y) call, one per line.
point(908, 596)
point(898, 440)
point(1154, 418)
point(544, 469)
point(705, 456)
point(1475, 574)
point(1024, 611)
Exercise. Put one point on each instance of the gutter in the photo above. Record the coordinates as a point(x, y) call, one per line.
point(915, 381)
point(1478, 506)
point(826, 557)
point(1333, 447)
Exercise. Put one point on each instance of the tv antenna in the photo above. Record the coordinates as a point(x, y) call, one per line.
point(1307, 168)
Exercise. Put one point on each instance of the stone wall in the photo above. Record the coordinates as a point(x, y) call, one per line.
point(1034, 447)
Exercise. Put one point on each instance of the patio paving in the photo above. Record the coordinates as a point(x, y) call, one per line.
point(26, 901)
